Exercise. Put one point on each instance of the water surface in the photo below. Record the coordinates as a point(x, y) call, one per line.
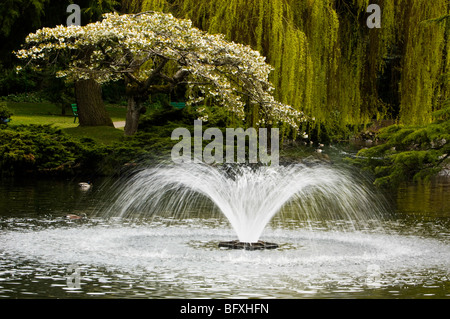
point(405, 256)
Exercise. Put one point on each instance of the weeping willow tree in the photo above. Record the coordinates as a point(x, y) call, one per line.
point(425, 60)
point(327, 62)
point(407, 56)
point(416, 151)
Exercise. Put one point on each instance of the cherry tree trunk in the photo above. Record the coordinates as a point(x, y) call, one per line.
point(91, 110)
point(133, 114)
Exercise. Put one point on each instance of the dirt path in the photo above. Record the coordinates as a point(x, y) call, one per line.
point(119, 124)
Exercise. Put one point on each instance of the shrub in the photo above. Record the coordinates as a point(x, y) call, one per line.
point(4, 111)
point(44, 149)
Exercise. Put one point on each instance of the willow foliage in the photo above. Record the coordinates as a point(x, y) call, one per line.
point(327, 62)
point(425, 59)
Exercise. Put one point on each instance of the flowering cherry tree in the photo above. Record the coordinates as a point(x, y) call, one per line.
point(155, 52)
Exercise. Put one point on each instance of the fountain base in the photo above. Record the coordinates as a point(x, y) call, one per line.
point(236, 244)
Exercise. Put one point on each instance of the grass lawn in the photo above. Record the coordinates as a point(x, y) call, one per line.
point(39, 113)
point(48, 113)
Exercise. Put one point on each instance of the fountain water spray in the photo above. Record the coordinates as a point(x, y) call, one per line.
point(248, 196)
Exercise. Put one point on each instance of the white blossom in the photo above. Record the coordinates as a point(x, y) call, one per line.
point(131, 44)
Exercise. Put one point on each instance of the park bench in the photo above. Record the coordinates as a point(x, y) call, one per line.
point(178, 105)
point(75, 112)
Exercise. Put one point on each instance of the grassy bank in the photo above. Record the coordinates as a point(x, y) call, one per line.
point(39, 113)
point(46, 113)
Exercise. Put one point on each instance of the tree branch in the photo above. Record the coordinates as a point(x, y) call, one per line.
point(155, 73)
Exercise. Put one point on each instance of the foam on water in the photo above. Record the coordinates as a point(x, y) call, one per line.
point(181, 254)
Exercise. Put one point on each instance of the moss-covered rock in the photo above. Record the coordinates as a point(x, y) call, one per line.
point(409, 152)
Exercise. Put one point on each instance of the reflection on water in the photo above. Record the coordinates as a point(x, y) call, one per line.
point(34, 198)
point(427, 200)
point(409, 257)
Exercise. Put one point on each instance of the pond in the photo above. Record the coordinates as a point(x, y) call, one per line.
point(45, 255)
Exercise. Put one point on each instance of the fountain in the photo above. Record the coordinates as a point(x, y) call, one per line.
point(179, 223)
point(248, 196)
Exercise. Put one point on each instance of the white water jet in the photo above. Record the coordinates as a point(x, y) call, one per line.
point(249, 197)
